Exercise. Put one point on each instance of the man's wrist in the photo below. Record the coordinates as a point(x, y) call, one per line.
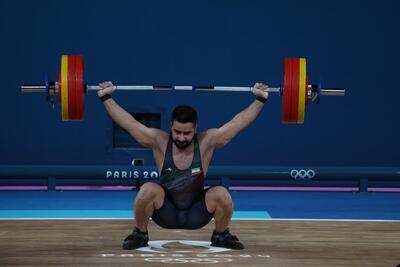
point(261, 99)
point(105, 97)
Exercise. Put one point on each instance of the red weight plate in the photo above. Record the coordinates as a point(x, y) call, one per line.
point(295, 89)
point(71, 89)
point(80, 85)
point(286, 108)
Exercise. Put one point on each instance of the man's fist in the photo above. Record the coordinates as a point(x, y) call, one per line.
point(259, 89)
point(106, 88)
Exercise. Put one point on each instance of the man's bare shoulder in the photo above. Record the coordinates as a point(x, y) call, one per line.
point(160, 133)
point(161, 137)
point(205, 136)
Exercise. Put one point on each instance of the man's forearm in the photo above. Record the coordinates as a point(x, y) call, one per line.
point(118, 114)
point(247, 116)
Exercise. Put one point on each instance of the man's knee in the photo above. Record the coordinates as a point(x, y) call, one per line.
point(150, 192)
point(218, 196)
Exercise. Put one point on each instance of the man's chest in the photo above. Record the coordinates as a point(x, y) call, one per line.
point(183, 160)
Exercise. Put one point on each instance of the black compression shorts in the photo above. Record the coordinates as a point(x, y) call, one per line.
point(168, 216)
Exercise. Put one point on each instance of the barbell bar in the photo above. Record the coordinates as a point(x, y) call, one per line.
point(71, 89)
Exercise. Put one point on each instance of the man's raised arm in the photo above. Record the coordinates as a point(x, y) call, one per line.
point(144, 135)
point(219, 137)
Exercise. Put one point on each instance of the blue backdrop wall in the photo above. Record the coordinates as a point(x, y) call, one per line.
point(353, 44)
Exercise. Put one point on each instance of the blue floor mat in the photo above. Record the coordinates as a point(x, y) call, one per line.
point(248, 204)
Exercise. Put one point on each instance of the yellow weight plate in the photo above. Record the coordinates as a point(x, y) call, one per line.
point(64, 88)
point(302, 91)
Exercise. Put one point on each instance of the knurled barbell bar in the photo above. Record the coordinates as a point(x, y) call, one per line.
point(71, 89)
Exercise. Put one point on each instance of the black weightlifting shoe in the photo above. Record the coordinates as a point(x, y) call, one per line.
point(225, 240)
point(136, 240)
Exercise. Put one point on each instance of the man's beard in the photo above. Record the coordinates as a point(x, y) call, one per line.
point(182, 145)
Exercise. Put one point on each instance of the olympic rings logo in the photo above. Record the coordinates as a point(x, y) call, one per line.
point(302, 174)
point(188, 260)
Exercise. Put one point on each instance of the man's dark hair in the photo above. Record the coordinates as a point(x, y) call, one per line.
point(184, 114)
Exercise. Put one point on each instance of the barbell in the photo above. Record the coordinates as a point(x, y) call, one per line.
point(71, 89)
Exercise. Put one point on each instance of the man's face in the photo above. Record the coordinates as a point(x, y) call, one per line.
point(182, 133)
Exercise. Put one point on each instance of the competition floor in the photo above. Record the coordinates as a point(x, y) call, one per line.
point(86, 228)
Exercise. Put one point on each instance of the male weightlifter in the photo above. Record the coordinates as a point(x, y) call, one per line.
point(182, 157)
